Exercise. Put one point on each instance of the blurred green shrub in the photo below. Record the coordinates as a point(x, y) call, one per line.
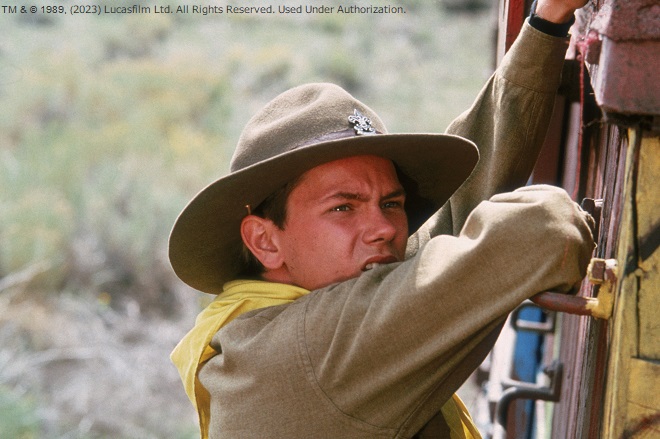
point(114, 123)
point(100, 163)
point(18, 417)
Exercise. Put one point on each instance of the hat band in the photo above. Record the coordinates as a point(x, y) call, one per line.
point(350, 132)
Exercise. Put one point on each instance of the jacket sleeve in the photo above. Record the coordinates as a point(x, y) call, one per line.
point(508, 122)
point(392, 346)
point(379, 355)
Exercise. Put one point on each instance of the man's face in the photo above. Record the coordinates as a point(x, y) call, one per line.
point(343, 218)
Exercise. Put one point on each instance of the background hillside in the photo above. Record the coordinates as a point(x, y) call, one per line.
point(108, 126)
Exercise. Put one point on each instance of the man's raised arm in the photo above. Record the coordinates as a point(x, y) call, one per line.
point(510, 117)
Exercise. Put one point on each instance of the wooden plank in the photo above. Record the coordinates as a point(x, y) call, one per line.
point(648, 224)
point(643, 405)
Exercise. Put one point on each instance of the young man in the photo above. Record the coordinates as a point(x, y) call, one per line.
point(330, 320)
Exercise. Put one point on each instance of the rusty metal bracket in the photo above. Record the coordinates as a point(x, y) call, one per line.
point(524, 390)
point(601, 272)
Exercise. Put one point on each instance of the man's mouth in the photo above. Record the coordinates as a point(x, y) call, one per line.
point(377, 262)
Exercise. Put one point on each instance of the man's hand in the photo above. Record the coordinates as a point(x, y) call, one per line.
point(558, 11)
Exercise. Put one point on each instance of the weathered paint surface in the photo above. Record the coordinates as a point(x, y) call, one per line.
point(612, 367)
point(614, 391)
point(621, 42)
point(632, 406)
point(626, 81)
point(622, 20)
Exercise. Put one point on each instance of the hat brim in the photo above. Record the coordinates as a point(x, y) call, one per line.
point(205, 242)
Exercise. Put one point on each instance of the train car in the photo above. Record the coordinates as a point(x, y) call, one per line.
point(588, 366)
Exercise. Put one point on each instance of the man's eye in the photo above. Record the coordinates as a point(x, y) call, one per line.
point(342, 208)
point(392, 205)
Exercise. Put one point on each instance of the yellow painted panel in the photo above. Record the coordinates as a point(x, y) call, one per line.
point(644, 383)
point(648, 218)
point(635, 332)
point(643, 407)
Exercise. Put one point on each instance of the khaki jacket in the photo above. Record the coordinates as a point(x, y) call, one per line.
point(378, 356)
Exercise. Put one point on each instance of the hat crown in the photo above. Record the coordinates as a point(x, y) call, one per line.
point(298, 118)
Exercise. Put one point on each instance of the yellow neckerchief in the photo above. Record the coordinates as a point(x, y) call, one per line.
point(459, 420)
point(193, 350)
point(241, 296)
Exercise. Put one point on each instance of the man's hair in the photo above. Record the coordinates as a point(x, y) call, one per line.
point(272, 208)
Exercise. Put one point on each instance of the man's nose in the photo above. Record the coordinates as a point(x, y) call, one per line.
point(378, 227)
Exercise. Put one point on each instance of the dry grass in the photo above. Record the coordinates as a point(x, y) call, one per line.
point(94, 371)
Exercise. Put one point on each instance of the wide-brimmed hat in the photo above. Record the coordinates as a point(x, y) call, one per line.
point(302, 128)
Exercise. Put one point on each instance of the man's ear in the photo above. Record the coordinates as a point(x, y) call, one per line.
point(258, 235)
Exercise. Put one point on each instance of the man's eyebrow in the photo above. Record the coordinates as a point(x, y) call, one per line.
point(361, 197)
point(401, 192)
point(346, 196)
